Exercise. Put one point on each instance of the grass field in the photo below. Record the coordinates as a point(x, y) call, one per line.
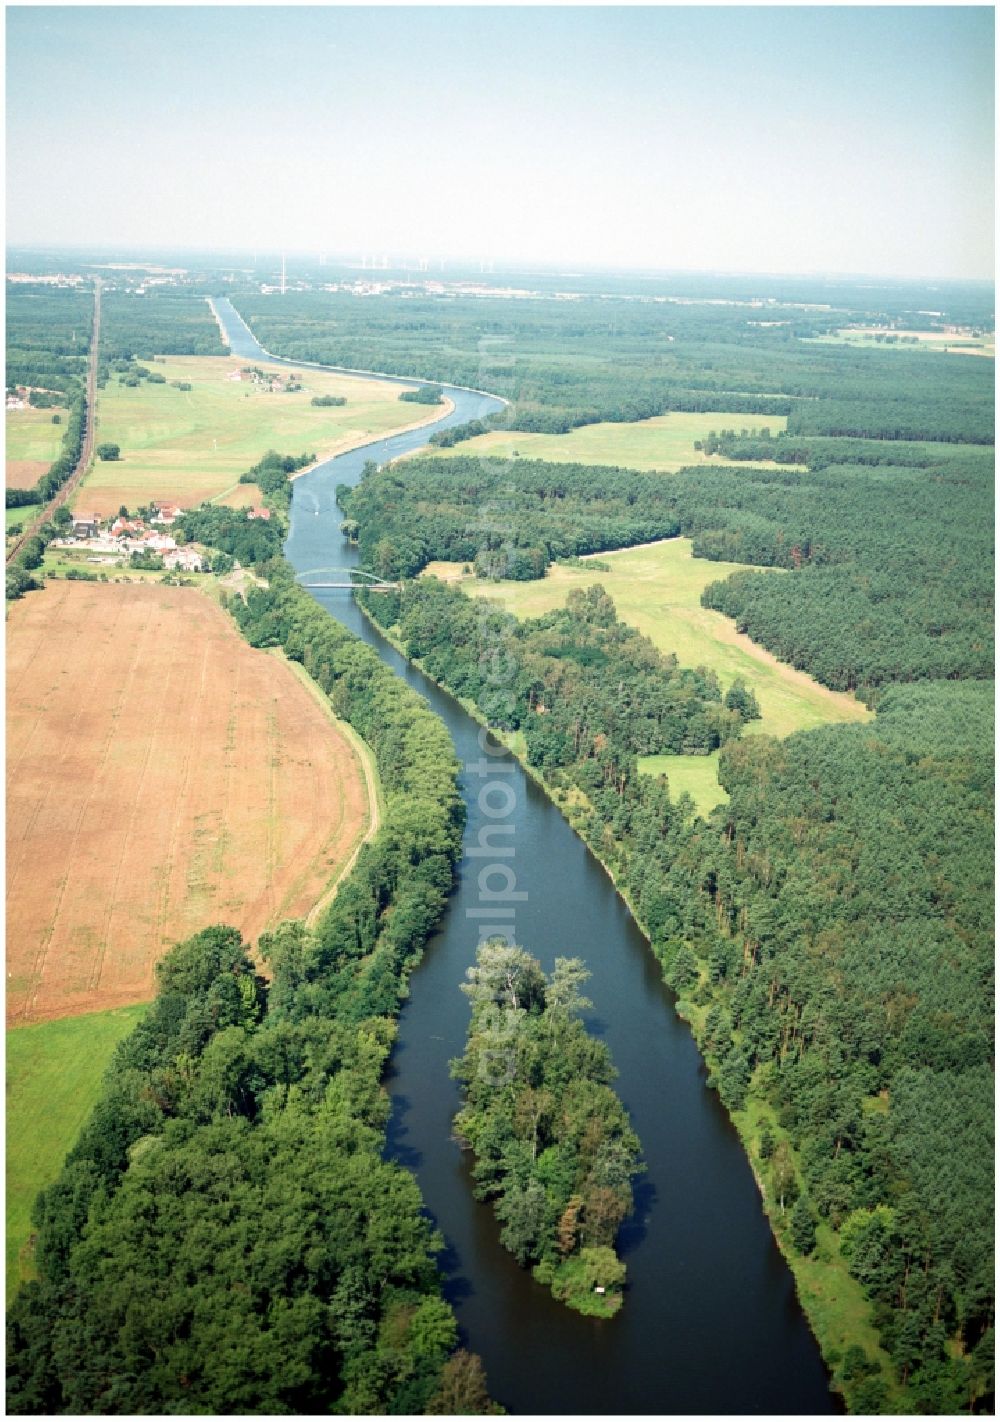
point(191, 445)
point(32, 443)
point(161, 775)
point(665, 442)
point(656, 588)
point(874, 338)
point(694, 775)
point(54, 1071)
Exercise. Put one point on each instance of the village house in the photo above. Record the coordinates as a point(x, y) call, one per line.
point(261, 513)
point(85, 525)
point(166, 512)
point(187, 559)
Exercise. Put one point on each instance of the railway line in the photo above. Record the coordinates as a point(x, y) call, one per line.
point(63, 495)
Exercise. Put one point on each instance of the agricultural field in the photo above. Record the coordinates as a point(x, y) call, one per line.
point(54, 1072)
point(657, 588)
point(161, 775)
point(954, 343)
point(32, 443)
point(192, 445)
point(665, 442)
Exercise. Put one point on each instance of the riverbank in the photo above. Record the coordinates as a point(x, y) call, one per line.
point(834, 1304)
point(366, 759)
point(438, 412)
point(409, 380)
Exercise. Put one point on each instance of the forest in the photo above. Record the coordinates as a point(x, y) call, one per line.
point(48, 335)
point(553, 1147)
point(804, 928)
point(464, 509)
point(890, 567)
point(161, 322)
point(564, 364)
point(240, 1135)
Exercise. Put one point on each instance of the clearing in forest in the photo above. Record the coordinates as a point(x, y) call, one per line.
point(187, 446)
point(657, 588)
point(955, 342)
point(33, 442)
point(665, 442)
point(162, 775)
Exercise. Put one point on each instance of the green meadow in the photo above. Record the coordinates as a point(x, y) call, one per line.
point(665, 442)
point(31, 443)
point(657, 588)
point(54, 1071)
point(958, 343)
point(191, 445)
point(30, 434)
point(694, 775)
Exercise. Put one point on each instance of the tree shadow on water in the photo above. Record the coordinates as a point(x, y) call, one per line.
point(456, 1286)
point(634, 1229)
point(397, 1146)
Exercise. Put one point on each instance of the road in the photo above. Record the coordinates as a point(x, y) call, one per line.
point(63, 495)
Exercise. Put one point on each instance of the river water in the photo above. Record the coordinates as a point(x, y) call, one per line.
point(710, 1322)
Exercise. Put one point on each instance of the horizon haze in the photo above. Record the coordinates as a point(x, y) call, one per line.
point(773, 141)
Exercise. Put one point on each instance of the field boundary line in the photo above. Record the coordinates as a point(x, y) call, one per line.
point(365, 755)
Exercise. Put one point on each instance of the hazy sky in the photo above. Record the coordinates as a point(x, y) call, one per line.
point(749, 139)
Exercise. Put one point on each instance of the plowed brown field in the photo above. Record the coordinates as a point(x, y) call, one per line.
point(161, 776)
point(25, 473)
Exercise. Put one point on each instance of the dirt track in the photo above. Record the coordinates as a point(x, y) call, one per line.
point(161, 776)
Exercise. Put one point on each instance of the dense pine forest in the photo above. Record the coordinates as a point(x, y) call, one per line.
point(162, 321)
point(467, 509)
point(48, 335)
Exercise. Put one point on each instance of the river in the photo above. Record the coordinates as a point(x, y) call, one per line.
point(711, 1323)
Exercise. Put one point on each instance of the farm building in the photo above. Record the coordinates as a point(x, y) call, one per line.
point(166, 512)
point(187, 559)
